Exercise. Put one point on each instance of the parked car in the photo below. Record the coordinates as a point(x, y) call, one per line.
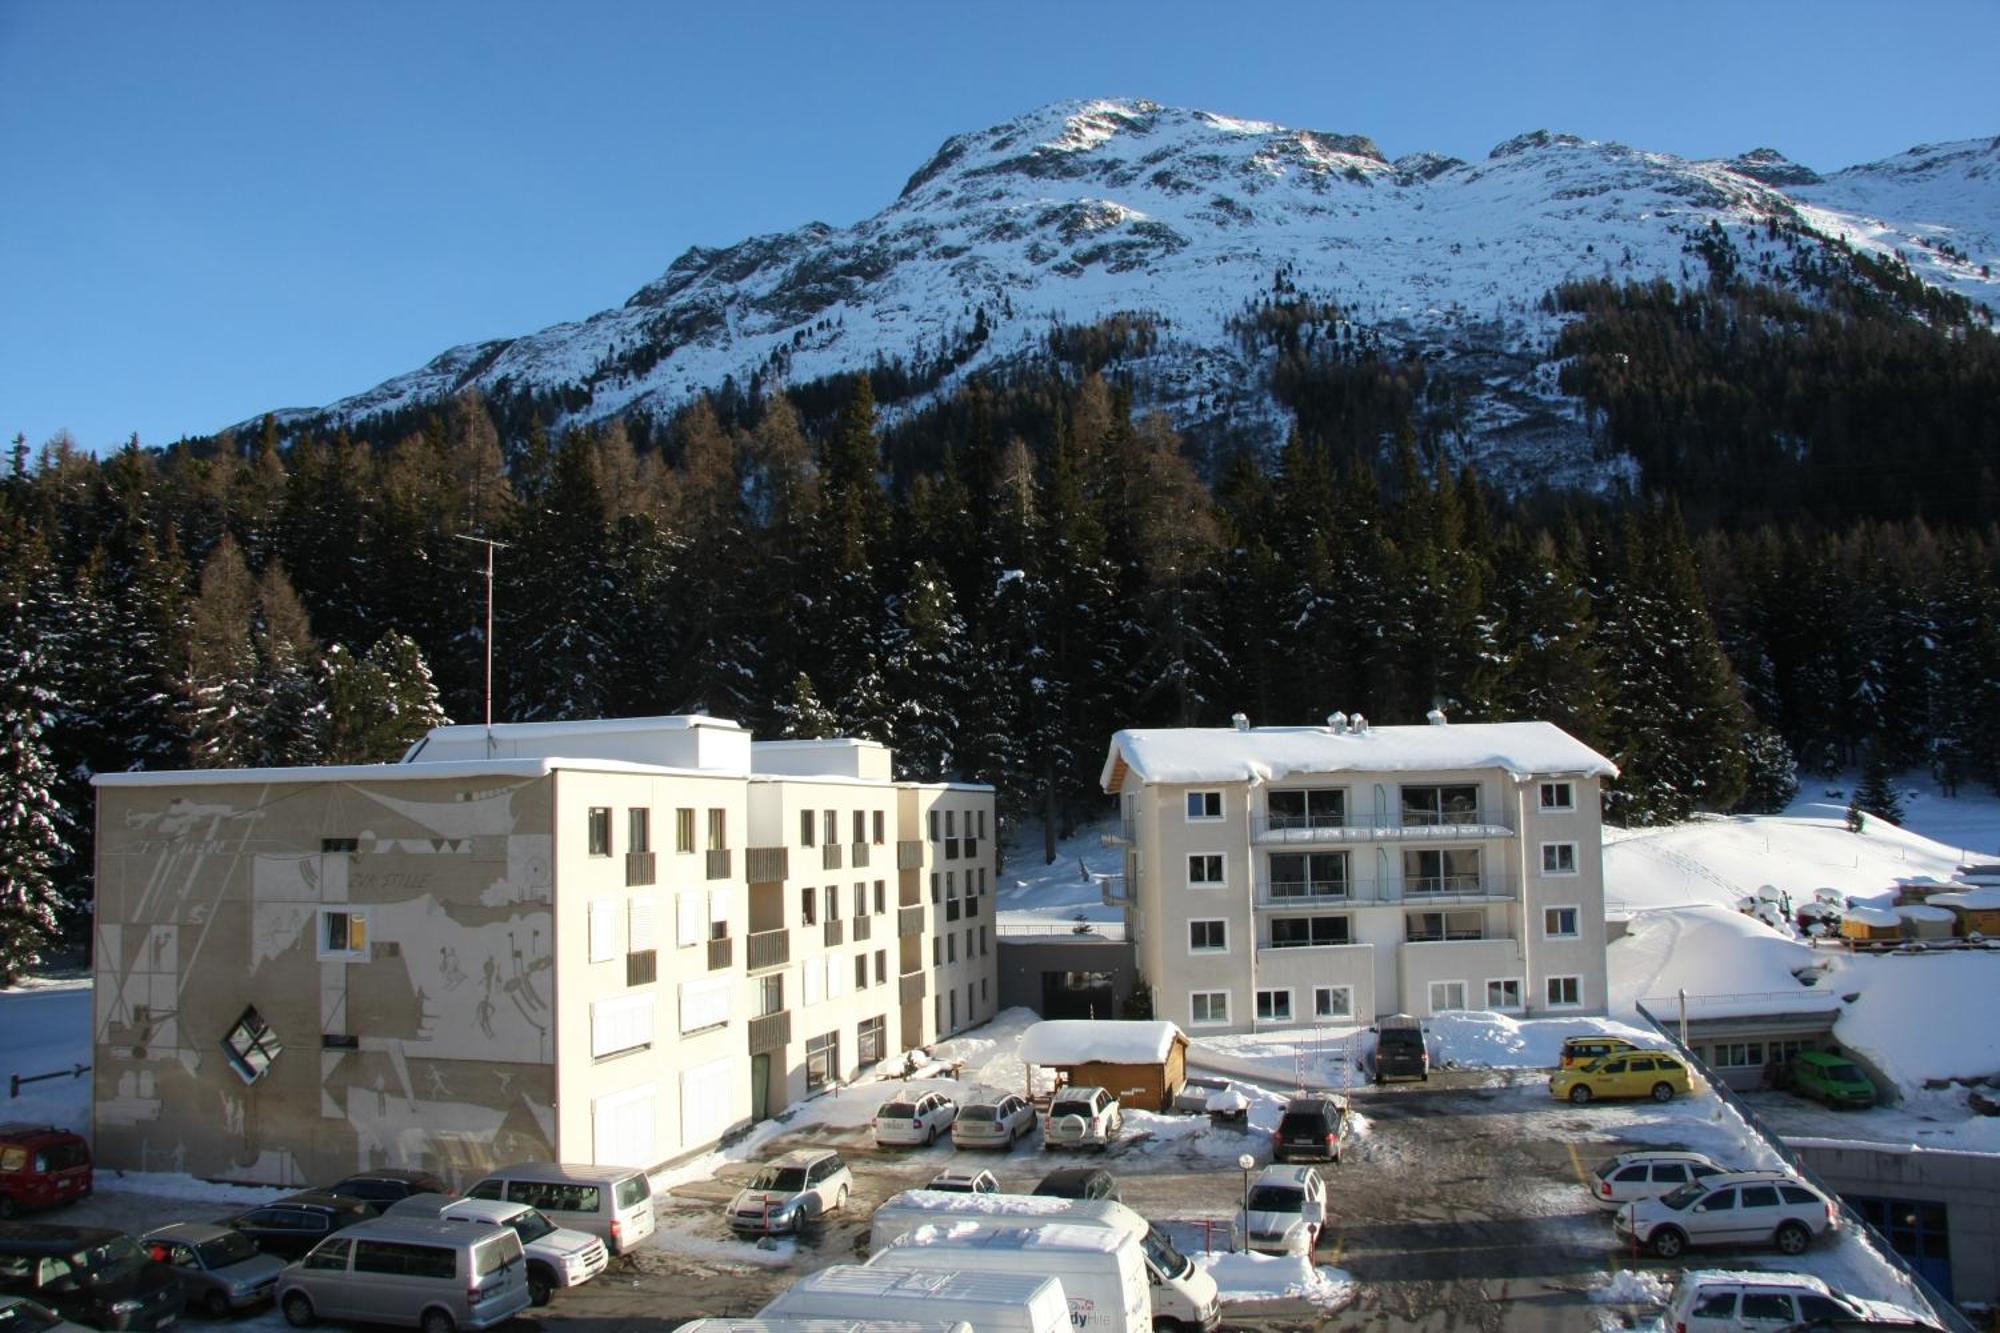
point(557, 1256)
point(1709, 1301)
point(1589, 1050)
point(1079, 1182)
point(1734, 1208)
point(612, 1203)
point(1000, 1123)
point(437, 1276)
point(18, 1314)
point(1832, 1079)
point(800, 1187)
point(1082, 1118)
point(1647, 1175)
point(90, 1275)
point(41, 1166)
point(1400, 1049)
point(379, 1189)
point(221, 1270)
point(1652, 1074)
point(1195, 1091)
point(917, 1119)
point(290, 1226)
point(1313, 1127)
point(965, 1182)
point(1284, 1211)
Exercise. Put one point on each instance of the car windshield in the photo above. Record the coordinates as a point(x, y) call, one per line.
point(1071, 1108)
point(531, 1225)
point(1684, 1196)
point(114, 1253)
point(1162, 1255)
point(231, 1247)
point(1845, 1074)
point(1277, 1199)
point(783, 1179)
point(897, 1111)
point(27, 1317)
point(977, 1113)
point(1604, 1170)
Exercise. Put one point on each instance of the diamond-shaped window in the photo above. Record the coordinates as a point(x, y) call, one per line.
point(251, 1046)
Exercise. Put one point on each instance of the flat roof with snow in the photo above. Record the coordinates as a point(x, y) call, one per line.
point(1273, 754)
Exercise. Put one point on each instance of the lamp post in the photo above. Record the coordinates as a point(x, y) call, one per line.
point(1248, 1164)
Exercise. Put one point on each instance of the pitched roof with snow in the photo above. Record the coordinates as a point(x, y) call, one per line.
point(1271, 754)
point(1077, 1041)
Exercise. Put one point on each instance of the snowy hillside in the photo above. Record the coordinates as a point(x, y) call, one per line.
point(1082, 210)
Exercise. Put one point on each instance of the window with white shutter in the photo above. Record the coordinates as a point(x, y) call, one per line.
point(705, 1094)
point(639, 923)
point(603, 929)
point(719, 903)
point(690, 919)
point(705, 1003)
point(812, 980)
point(623, 1023)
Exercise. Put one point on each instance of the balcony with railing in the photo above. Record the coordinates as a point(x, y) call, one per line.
point(909, 854)
point(1489, 885)
point(771, 1032)
point(833, 931)
point(910, 920)
point(972, 907)
point(720, 954)
point(864, 928)
point(768, 948)
point(639, 870)
point(829, 856)
point(1393, 826)
point(767, 865)
point(910, 987)
point(718, 863)
point(857, 855)
point(951, 909)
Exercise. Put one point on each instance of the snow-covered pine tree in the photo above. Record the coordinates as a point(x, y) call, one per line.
point(32, 844)
point(380, 704)
point(802, 717)
point(1877, 794)
point(925, 675)
point(220, 692)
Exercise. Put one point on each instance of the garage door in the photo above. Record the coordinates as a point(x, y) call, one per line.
point(623, 1127)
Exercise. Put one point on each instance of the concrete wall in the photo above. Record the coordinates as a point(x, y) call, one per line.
point(1024, 958)
point(1968, 1184)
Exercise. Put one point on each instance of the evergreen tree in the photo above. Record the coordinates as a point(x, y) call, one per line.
point(1771, 774)
point(380, 704)
point(1876, 795)
point(925, 678)
point(220, 694)
point(801, 716)
point(32, 825)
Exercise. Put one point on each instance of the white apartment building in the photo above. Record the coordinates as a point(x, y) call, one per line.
point(611, 941)
point(1292, 876)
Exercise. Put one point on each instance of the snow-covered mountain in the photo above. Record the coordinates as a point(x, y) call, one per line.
point(1083, 210)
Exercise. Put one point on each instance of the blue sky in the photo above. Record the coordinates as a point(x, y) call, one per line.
point(213, 209)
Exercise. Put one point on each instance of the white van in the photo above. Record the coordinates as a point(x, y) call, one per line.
point(557, 1256)
point(613, 1203)
point(809, 1324)
point(1103, 1277)
point(990, 1302)
point(1181, 1291)
point(437, 1276)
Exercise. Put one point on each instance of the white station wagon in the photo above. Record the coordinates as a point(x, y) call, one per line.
point(1735, 1208)
point(1647, 1175)
point(1000, 1123)
point(915, 1119)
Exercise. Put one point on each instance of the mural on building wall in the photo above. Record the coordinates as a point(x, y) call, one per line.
point(298, 980)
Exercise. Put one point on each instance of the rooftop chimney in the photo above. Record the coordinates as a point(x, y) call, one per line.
point(1336, 722)
point(1359, 725)
point(1240, 721)
point(1435, 717)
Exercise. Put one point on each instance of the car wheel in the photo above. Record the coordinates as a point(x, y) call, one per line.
point(1663, 1092)
point(1580, 1093)
point(215, 1305)
point(438, 1321)
point(299, 1310)
point(1167, 1324)
point(1792, 1238)
point(540, 1286)
point(1668, 1243)
point(930, 1136)
point(840, 1200)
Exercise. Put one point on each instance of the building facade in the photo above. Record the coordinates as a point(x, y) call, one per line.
point(587, 941)
point(1293, 876)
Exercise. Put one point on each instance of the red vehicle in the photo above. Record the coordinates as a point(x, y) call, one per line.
point(41, 1166)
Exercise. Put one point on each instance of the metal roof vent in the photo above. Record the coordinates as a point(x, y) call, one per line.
point(1435, 717)
point(1336, 722)
point(1359, 725)
point(1240, 721)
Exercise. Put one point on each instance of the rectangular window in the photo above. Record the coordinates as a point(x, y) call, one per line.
point(1558, 796)
point(876, 829)
point(1433, 805)
point(718, 830)
point(881, 966)
point(621, 1024)
point(251, 1046)
point(950, 885)
point(1559, 923)
point(1208, 1007)
point(1333, 1002)
point(1307, 932)
point(1738, 1054)
point(1205, 870)
point(860, 823)
point(880, 898)
point(1308, 875)
point(860, 901)
point(603, 929)
point(1445, 871)
point(806, 830)
point(871, 1040)
point(808, 906)
point(833, 902)
point(1558, 858)
point(639, 829)
point(937, 951)
point(1429, 927)
point(1319, 807)
point(1565, 992)
point(1274, 1006)
point(937, 887)
point(982, 941)
point(1208, 937)
point(343, 934)
point(822, 1059)
point(600, 830)
point(770, 994)
point(705, 1004)
point(1504, 993)
point(933, 821)
point(1447, 995)
point(951, 948)
point(861, 971)
point(684, 830)
point(1204, 805)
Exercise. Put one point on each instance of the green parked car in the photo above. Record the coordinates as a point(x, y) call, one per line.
point(1833, 1079)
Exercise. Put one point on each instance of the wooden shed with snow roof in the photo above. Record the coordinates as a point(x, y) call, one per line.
point(1977, 910)
point(1871, 925)
point(1921, 922)
point(1142, 1063)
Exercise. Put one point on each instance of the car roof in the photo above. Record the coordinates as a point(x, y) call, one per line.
point(1285, 1175)
point(1314, 1101)
point(31, 1129)
point(187, 1233)
point(1068, 1173)
point(1661, 1155)
point(1821, 1058)
point(1078, 1090)
point(1716, 1277)
point(1598, 1038)
point(392, 1173)
point(993, 1100)
point(803, 1157)
point(957, 1173)
point(422, 1228)
point(562, 1173)
point(326, 1199)
point(1752, 1178)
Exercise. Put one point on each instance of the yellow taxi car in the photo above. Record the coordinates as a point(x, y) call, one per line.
point(1652, 1074)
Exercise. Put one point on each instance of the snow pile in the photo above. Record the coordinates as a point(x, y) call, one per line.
point(1076, 1041)
point(1902, 1019)
point(1627, 1287)
point(1983, 899)
point(1479, 1040)
point(179, 1186)
point(1731, 963)
point(1271, 1277)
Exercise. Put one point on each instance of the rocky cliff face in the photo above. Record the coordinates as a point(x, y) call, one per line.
point(1081, 211)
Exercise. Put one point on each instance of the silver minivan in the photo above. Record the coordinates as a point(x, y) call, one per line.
point(613, 1203)
point(557, 1256)
point(437, 1276)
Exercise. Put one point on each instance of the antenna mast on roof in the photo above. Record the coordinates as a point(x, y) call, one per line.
point(490, 546)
